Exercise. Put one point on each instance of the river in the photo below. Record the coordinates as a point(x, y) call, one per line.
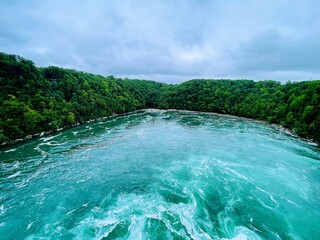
point(161, 175)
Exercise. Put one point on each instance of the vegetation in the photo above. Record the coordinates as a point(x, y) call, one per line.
point(292, 105)
point(34, 100)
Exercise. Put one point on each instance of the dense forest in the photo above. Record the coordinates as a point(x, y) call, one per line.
point(35, 100)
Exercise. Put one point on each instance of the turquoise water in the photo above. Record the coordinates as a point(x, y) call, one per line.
point(161, 175)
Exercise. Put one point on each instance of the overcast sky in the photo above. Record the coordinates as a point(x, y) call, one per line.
point(170, 41)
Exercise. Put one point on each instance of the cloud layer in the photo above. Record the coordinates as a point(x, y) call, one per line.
point(169, 41)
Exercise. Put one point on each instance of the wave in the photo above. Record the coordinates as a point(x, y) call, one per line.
point(14, 175)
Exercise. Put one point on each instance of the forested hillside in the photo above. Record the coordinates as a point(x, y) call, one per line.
point(34, 100)
point(292, 105)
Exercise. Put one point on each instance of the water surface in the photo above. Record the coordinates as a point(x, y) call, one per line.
point(161, 175)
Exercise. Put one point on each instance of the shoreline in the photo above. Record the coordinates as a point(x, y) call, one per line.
point(41, 134)
point(288, 131)
point(278, 127)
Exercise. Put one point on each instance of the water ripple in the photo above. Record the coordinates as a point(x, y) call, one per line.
point(162, 175)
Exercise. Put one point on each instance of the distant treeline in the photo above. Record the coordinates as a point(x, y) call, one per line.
point(35, 100)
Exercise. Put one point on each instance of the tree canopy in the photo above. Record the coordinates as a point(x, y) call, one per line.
point(34, 100)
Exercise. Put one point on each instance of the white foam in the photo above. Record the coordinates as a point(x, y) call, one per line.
point(106, 234)
point(30, 225)
point(70, 212)
point(141, 133)
point(136, 228)
point(312, 143)
point(84, 179)
point(271, 197)
point(239, 175)
point(243, 233)
point(40, 150)
point(14, 175)
point(263, 204)
point(2, 210)
point(16, 165)
point(106, 222)
point(49, 138)
point(291, 202)
point(53, 143)
point(10, 150)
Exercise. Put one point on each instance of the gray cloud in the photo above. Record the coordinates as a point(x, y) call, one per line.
point(273, 51)
point(166, 40)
